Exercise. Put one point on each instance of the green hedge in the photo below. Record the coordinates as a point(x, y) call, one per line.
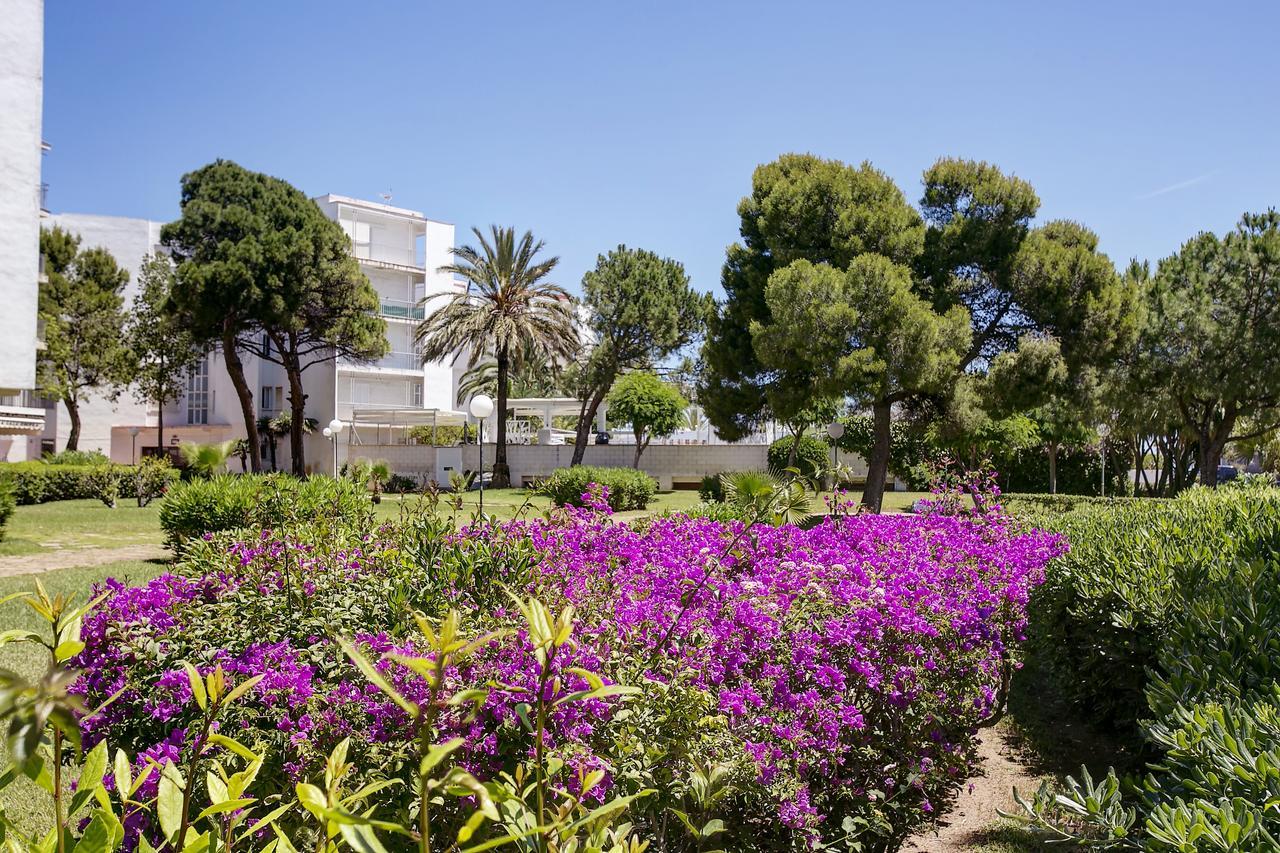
point(1163, 621)
point(1134, 571)
point(42, 482)
point(812, 457)
point(1023, 503)
point(7, 506)
point(628, 488)
point(231, 502)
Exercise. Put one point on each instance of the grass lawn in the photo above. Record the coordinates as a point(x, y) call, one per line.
point(80, 524)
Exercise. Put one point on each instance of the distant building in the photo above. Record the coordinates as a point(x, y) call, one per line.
point(399, 250)
point(21, 207)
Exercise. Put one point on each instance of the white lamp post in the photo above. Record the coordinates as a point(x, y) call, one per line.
point(480, 407)
point(133, 431)
point(331, 432)
point(835, 430)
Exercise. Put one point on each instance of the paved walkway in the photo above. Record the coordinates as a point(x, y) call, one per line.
point(48, 561)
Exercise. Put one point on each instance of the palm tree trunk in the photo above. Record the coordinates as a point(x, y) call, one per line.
point(73, 414)
point(501, 472)
point(235, 369)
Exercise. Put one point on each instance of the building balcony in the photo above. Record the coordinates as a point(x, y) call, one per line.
point(388, 256)
point(401, 309)
point(408, 361)
point(21, 412)
point(44, 200)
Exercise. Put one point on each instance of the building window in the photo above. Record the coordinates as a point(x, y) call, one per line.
point(268, 399)
point(198, 393)
point(415, 394)
point(266, 345)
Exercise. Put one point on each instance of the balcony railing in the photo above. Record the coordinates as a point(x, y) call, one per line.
point(44, 199)
point(401, 309)
point(387, 253)
point(391, 361)
point(26, 399)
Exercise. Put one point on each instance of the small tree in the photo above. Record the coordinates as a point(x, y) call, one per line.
point(162, 350)
point(81, 306)
point(651, 406)
point(641, 310)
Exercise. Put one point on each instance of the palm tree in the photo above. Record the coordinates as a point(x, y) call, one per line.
point(509, 308)
point(205, 460)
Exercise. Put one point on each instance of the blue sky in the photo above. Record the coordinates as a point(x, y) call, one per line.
point(607, 122)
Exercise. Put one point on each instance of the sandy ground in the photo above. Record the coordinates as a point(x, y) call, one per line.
point(1000, 769)
point(48, 561)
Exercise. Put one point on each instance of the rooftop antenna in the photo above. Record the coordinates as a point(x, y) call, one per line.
point(386, 196)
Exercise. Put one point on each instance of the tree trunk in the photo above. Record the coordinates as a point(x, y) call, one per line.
point(501, 472)
point(297, 410)
point(73, 414)
point(586, 419)
point(1053, 467)
point(878, 464)
point(640, 446)
point(235, 369)
point(1209, 457)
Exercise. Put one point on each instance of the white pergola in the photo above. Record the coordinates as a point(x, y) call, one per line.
point(548, 407)
point(392, 420)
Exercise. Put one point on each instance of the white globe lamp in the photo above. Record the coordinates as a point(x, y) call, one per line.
point(481, 407)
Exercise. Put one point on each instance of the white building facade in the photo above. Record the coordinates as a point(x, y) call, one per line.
point(21, 206)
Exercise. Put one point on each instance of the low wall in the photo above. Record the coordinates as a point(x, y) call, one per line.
point(672, 465)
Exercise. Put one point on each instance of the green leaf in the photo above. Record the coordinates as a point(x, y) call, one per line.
point(94, 768)
point(96, 837)
point(242, 688)
point(234, 746)
point(361, 838)
point(438, 753)
point(225, 806)
point(376, 678)
point(197, 685)
point(123, 774)
point(169, 801)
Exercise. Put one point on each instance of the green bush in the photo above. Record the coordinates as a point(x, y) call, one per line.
point(230, 502)
point(1182, 600)
point(41, 482)
point(628, 488)
point(1033, 503)
point(1134, 571)
point(813, 457)
point(8, 504)
point(441, 436)
point(712, 489)
point(76, 457)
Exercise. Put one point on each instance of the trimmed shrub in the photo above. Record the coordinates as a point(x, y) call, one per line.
point(627, 487)
point(8, 504)
point(41, 482)
point(1033, 503)
point(76, 457)
point(712, 489)
point(1175, 607)
point(230, 502)
point(813, 457)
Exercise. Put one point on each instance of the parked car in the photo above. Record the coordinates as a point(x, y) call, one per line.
point(1227, 473)
point(602, 438)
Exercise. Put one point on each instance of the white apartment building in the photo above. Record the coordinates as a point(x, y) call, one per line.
point(21, 207)
point(399, 250)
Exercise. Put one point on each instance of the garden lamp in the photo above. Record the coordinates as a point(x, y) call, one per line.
point(133, 431)
point(331, 432)
point(835, 430)
point(481, 407)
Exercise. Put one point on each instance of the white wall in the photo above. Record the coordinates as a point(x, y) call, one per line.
point(21, 92)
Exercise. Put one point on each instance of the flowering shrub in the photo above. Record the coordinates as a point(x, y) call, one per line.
point(796, 687)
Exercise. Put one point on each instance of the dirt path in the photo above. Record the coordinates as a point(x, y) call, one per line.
point(48, 561)
point(1000, 769)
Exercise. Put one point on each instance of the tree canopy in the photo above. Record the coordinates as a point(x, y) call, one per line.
point(162, 351)
point(640, 310)
point(81, 304)
point(509, 310)
point(256, 257)
point(651, 406)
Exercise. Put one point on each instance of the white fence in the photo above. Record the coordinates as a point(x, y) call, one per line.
point(673, 466)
